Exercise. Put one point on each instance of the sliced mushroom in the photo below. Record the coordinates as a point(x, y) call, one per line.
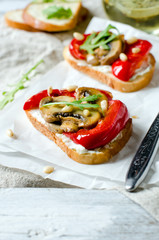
point(45, 111)
point(63, 98)
point(70, 121)
point(85, 92)
point(92, 59)
point(90, 120)
point(50, 113)
point(69, 126)
point(55, 127)
point(101, 52)
point(108, 57)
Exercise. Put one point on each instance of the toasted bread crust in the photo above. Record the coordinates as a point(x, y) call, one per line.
point(44, 26)
point(105, 153)
point(108, 78)
point(15, 24)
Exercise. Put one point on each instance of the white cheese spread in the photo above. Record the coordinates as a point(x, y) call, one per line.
point(36, 10)
point(79, 148)
point(16, 16)
point(139, 72)
point(108, 68)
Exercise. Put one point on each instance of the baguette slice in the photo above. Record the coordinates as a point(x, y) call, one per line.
point(14, 19)
point(33, 15)
point(100, 155)
point(108, 78)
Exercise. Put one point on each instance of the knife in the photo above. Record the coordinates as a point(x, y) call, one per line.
point(143, 158)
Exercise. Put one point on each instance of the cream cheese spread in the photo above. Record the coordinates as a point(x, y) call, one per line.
point(139, 72)
point(108, 69)
point(79, 148)
point(36, 10)
point(16, 16)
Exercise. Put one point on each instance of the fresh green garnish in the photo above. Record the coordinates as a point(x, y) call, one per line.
point(47, 1)
point(57, 12)
point(9, 95)
point(42, 1)
point(51, 1)
point(78, 103)
point(96, 40)
point(90, 98)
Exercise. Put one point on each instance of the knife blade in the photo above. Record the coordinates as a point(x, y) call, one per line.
point(143, 158)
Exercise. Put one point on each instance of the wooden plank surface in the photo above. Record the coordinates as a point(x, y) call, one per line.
point(53, 214)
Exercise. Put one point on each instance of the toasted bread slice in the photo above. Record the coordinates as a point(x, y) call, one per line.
point(14, 19)
point(100, 155)
point(33, 15)
point(100, 73)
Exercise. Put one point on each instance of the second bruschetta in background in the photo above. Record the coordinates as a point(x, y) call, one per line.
point(52, 16)
point(15, 19)
point(125, 65)
point(49, 16)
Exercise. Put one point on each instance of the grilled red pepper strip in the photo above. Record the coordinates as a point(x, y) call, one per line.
point(34, 101)
point(74, 48)
point(106, 130)
point(124, 70)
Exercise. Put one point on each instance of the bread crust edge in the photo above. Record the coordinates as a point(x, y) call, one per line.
point(18, 25)
point(110, 80)
point(43, 26)
point(106, 153)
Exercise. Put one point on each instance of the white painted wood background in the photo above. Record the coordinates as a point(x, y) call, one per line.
point(72, 214)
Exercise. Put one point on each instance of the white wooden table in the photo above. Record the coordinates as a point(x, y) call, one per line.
point(71, 214)
point(76, 214)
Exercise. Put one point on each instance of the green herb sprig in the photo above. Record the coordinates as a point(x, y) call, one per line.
point(57, 12)
point(78, 103)
point(102, 39)
point(9, 95)
point(51, 1)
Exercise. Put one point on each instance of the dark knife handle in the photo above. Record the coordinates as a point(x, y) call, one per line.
point(143, 157)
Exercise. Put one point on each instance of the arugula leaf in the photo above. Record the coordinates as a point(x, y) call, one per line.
point(47, 1)
point(57, 12)
point(51, 1)
point(9, 96)
point(90, 98)
point(95, 40)
point(42, 1)
point(104, 34)
point(77, 103)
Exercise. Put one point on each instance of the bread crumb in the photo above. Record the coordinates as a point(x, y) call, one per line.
point(104, 105)
point(49, 90)
point(78, 36)
point(48, 169)
point(136, 50)
point(67, 109)
point(132, 40)
point(123, 57)
point(135, 117)
point(9, 133)
point(71, 88)
point(86, 112)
